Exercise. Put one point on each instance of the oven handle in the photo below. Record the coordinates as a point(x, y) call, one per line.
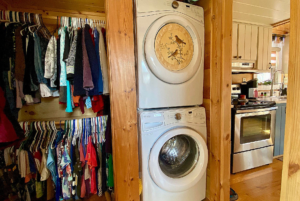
point(256, 110)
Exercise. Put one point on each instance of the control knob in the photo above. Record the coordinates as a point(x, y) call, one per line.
point(177, 116)
point(175, 4)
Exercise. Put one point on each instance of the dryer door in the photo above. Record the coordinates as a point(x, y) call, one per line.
point(173, 49)
point(178, 160)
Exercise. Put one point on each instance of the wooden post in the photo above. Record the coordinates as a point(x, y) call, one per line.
point(290, 187)
point(220, 144)
point(120, 42)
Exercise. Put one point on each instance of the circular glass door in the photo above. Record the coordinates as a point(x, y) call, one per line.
point(178, 156)
point(173, 49)
point(178, 159)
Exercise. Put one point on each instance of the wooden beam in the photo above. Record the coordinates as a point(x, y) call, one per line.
point(120, 41)
point(221, 49)
point(281, 23)
point(290, 189)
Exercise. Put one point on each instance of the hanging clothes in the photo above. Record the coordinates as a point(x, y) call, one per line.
point(30, 78)
point(92, 60)
point(88, 84)
point(8, 133)
point(19, 68)
point(103, 61)
point(78, 73)
point(38, 60)
point(51, 62)
point(63, 73)
point(100, 77)
point(71, 58)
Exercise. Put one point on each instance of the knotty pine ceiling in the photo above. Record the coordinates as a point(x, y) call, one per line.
point(97, 6)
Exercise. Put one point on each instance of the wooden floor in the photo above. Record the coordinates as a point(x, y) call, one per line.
point(259, 184)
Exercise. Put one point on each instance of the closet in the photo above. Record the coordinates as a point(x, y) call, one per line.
point(119, 20)
point(42, 113)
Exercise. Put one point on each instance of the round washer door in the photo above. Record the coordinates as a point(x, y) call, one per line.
point(173, 49)
point(178, 159)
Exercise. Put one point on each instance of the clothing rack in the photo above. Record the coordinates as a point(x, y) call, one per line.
point(16, 16)
point(36, 19)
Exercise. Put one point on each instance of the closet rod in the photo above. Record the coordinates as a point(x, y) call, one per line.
point(47, 15)
point(62, 122)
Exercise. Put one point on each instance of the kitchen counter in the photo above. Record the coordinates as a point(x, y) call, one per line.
point(276, 99)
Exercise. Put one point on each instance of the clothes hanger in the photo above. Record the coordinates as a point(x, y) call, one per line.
point(36, 138)
point(44, 136)
point(50, 133)
point(54, 135)
point(32, 144)
point(41, 136)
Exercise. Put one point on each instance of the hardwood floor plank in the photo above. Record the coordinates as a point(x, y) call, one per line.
point(259, 184)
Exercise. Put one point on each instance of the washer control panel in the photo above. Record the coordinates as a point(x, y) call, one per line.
point(156, 119)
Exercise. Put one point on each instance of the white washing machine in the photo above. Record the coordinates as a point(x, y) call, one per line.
point(170, 48)
point(173, 154)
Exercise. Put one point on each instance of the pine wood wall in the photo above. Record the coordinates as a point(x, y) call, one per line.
point(217, 86)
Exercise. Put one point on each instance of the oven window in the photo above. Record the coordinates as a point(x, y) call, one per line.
point(255, 128)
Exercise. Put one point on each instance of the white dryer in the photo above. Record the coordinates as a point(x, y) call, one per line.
point(170, 48)
point(173, 154)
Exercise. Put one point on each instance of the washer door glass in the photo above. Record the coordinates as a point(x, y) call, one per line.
point(178, 159)
point(178, 156)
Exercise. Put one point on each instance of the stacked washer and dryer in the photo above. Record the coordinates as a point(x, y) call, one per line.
point(172, 126)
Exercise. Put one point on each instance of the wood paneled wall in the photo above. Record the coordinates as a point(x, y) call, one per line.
point(120, 42)
point(291, 157)
point(217, 86)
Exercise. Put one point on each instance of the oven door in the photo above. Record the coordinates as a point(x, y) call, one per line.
point(254, 129)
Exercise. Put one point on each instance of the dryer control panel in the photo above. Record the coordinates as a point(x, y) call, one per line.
point(156, 119)
point(148, 7)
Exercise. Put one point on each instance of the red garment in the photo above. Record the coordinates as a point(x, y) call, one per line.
point(92, 36)
point(81, 155)
point(83, 188)
point(91, 159)
point(97, 103)
point(7, 131)
point(81, 104)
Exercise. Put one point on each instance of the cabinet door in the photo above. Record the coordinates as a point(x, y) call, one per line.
point(277, 131)
point(248, 32)
point(269, 46)
point(260, 48)
point(254, 32)
point(234, 40)
point(266, 49)
point(241, 41)
point(282, 129)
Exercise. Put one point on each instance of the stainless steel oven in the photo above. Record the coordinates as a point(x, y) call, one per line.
point(253, 137)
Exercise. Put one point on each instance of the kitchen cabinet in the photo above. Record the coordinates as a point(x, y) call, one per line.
point(244, 42)
point(279, 129)
point(264, 48)
point(252, 44)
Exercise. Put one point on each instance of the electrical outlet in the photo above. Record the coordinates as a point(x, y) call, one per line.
point(244, 79)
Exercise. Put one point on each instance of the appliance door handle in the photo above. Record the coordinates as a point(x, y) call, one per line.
point(256, 110)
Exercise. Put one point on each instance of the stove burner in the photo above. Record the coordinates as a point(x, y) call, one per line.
point(253, 104)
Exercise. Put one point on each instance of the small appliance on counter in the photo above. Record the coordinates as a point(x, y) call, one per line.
point(252, 130)
point(250, 88)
